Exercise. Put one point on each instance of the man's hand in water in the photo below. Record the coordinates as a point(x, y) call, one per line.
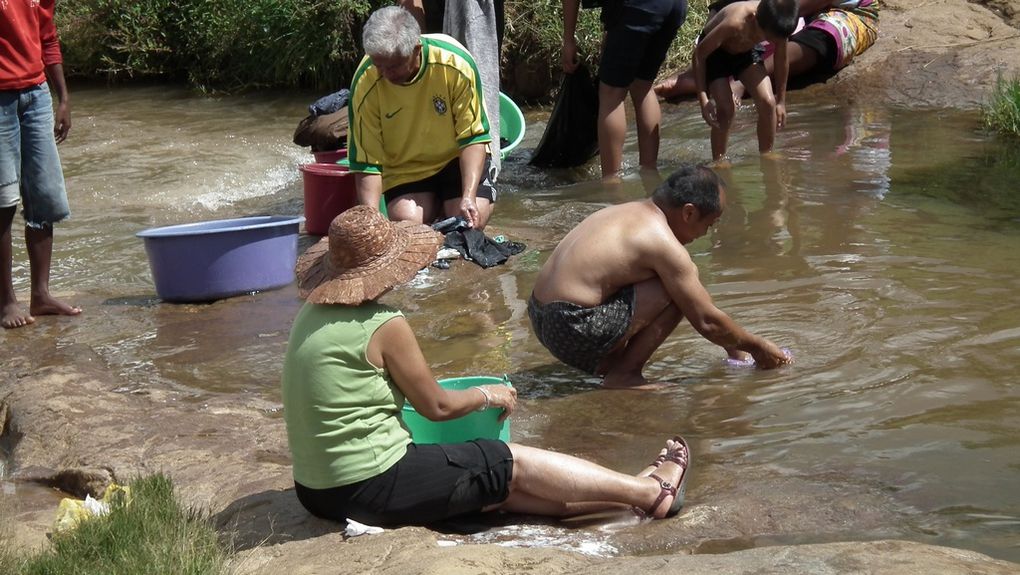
point(770, 357)
point(469, 211)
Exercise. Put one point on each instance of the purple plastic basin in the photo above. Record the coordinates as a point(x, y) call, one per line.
point(211, 260)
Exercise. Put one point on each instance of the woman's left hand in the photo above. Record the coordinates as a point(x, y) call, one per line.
point(502, 396)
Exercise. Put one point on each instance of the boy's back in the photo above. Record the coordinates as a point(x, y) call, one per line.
point(734, 28)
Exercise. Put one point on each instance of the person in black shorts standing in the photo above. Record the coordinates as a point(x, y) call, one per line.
point(638, 35)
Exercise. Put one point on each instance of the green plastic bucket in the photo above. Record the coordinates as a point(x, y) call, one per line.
point(475, 425)
point(511, 124)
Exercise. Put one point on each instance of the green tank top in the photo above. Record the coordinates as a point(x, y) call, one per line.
point(342, 412)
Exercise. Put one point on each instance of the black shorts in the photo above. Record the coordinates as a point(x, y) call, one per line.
point(638, 35)
point(446, 184)
point(429, 484)
point(722, 64)
point(822, 43)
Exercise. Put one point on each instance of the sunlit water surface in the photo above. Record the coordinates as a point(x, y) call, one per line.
point(882, 247)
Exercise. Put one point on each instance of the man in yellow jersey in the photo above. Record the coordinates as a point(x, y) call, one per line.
point(418, 128)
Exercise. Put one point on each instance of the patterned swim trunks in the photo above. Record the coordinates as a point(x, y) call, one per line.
point(853, 28)
point(581, 336)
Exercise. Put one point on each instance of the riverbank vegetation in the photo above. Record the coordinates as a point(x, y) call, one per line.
point(1002, 113)
point(236, 45)
point(151, 534)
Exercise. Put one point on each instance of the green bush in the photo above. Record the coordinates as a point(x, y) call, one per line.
point(247, 43)
point(241, 44)
point(1003, 112)
point(215, 44)
point(119, 39)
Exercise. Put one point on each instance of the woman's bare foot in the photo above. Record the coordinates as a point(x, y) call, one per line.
point(677, 86)
point(49, 305)
point(667, 87)
point(14, 316)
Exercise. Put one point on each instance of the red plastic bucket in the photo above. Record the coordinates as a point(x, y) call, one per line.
point(330, 156)
point(329, 190)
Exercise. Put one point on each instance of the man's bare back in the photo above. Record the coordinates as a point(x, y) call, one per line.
point(607, 251)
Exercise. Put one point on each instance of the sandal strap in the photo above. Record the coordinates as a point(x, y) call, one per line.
point(666, 488)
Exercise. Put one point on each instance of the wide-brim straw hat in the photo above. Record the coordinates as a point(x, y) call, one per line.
point(363, 256)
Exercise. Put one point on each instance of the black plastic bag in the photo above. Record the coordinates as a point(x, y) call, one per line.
point(571, 137)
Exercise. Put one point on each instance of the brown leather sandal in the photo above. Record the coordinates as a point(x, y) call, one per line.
point(682, 457)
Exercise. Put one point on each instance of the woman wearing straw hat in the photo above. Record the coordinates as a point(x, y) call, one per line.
point(352, 361)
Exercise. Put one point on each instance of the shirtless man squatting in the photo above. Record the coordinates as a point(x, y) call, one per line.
point(621, 281)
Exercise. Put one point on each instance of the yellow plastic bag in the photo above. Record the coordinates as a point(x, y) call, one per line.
point(71, 512)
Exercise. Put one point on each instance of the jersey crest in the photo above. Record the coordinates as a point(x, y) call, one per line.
point(439, 104)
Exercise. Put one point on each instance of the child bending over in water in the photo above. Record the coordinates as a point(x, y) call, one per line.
point(729, 46)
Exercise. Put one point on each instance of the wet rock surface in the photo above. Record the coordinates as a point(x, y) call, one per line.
point(77, 433)
point(943, 53)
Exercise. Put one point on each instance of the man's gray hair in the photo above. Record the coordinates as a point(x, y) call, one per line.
point(390, 31)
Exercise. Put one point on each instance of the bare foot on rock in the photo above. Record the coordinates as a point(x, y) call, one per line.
point(49, 305)
point(15, 316)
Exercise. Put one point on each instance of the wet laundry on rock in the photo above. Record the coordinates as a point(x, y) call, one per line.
point(473, 245)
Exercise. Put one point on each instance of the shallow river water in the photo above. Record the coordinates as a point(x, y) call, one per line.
point(882, 247)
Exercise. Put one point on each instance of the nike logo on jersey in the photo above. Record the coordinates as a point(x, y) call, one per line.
point(394, 113)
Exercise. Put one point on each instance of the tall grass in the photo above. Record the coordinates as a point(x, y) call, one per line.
point(243, 44)
point(1003, 112)
point(153, 534)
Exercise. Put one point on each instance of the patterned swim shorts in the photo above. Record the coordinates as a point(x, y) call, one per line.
point(581, 336)
point(853, 29)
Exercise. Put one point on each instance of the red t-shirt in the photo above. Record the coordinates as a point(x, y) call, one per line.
point(28, 42)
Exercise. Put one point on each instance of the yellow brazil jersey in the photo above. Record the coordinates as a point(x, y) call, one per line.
point(408, 132)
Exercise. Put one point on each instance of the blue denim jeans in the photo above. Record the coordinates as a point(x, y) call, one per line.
point(29, 163)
